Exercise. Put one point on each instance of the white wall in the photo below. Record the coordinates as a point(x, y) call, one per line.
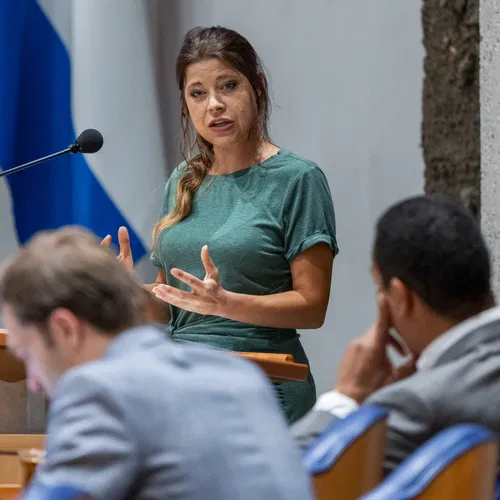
point(346, 78)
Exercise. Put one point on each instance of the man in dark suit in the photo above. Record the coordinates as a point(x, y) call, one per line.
point(134, 415)
point(432, 271)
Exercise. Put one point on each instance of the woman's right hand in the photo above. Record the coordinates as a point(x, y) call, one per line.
point(125, 255)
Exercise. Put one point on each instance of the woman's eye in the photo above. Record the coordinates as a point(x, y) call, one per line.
point(230, 85)
point(196, 93)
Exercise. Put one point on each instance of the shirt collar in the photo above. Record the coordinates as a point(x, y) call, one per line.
point(431, 354)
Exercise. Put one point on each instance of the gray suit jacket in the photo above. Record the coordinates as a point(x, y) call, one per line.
point(153, 419)
point(462, 386)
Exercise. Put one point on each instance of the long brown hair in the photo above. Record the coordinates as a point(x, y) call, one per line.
point(234, 49)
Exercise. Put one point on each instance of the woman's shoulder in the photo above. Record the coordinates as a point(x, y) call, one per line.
point(292, 165)
point(170, 187)
point(178, 171)
point(174, 176)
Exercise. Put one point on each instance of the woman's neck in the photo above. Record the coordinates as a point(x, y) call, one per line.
point(230, 160)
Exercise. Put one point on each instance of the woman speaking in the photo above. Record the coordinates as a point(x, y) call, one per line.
point(246, 239)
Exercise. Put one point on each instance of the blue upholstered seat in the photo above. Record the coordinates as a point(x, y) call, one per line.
point(424, 465)
point(338, 436)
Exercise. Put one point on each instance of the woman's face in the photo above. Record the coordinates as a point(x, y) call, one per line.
point(220, 103)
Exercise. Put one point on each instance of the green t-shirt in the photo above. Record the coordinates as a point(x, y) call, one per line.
point(255, 222)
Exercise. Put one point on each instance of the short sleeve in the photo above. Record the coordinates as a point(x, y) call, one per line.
point(169, 198)
point(88, 446)
point(308, 214)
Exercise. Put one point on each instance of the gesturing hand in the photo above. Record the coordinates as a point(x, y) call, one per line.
point(207, 295)
point(365, 366)
point(125, 255)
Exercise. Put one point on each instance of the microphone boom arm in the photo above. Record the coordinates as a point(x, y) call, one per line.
point(89, 141)
point(70, 149)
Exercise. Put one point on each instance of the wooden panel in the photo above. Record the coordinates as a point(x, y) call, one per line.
point(10, 469)
point(15, 442)
point(357, 471)
point(10, 491)
point(11, 368)
point(472, 476)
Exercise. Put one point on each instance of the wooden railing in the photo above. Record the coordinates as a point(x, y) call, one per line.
point(278, 367)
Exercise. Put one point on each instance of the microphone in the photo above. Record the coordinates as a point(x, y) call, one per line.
point(89, 141)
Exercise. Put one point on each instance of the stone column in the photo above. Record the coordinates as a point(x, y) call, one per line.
point(490, 131)
point(450, 99)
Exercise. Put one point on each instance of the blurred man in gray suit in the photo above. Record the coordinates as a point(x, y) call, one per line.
point(432, 271)
point(134, 415)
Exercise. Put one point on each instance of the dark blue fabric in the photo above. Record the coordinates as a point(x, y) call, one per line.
point(497, 490)
point(39, 491)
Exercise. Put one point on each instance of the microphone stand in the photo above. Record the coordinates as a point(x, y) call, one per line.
point(74, 148)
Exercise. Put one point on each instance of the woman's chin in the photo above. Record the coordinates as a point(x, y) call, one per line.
point(226, 142)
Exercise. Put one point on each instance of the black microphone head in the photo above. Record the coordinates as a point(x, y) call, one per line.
point(89, 141)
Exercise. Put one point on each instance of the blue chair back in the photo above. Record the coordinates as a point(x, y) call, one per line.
point(345, 461)
point(458, 463)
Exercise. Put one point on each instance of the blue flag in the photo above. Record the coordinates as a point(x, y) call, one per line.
point(46, 100)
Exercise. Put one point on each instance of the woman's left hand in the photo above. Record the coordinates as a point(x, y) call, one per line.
point(207, 295)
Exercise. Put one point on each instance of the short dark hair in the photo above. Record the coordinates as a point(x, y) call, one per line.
point(435, 246)
point(68, 268)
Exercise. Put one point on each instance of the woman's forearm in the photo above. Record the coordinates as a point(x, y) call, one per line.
point(157, 311)
point(282, 310)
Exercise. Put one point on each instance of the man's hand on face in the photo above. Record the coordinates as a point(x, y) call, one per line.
point(365, 366)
